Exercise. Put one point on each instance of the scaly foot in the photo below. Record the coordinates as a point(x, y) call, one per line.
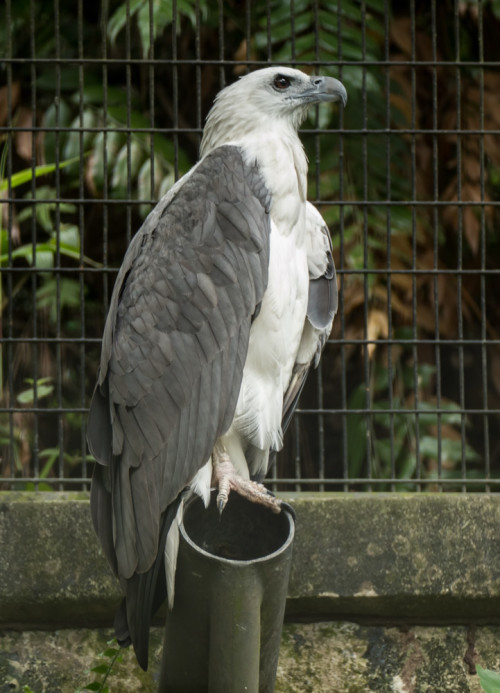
point(227, 479)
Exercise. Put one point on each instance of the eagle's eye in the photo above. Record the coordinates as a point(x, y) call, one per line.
point(281, 82)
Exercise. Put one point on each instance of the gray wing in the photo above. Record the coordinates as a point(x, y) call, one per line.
point(322, 306)
point(174, 348)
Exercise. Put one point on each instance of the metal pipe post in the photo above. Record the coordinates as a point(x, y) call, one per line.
point(223, 633)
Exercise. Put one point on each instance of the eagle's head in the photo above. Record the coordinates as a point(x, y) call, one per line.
point(264, 98)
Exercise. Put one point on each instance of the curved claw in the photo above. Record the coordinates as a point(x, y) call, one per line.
point(223, 494)
point(227, 479)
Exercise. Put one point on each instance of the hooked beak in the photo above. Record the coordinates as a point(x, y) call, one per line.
point(325, 89)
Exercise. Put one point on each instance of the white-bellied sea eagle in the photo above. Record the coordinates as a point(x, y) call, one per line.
point(224, 300)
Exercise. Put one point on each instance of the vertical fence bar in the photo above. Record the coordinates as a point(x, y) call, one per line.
point(460, 235)
point(199, 121)
point(297, 458)
point(414, 261)
point(248, 31)
point(268, 27)
point(57, 263)
point(34, 321)
point(435, 223)
point(222, 53)
point(128, 106)
point(317, 196)
point(366, 256)
point(175, 89)
point(7, 329)
point(388, 232)
point(342, 258)
point(105, 192)
point(482, 251)
point(81, 220)
point(6, 315)
point(151, 98)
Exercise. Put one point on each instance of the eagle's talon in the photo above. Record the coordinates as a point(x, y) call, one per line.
point(227, 479)
point(223, 495)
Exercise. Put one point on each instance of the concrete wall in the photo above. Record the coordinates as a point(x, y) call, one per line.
point(387, 593)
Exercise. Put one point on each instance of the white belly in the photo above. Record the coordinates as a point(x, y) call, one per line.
point(274, 341)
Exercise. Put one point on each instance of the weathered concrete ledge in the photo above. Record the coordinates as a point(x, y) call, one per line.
point(415, 557)
point(418, 558)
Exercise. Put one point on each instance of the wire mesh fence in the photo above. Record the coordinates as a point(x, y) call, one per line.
point(102, 109)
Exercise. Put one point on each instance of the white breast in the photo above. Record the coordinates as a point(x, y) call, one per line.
point(276, 332)
point(274, 342)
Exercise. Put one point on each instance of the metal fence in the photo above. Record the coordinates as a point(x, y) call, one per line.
point(102, 108)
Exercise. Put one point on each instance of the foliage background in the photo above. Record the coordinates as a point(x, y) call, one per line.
point(111, 100)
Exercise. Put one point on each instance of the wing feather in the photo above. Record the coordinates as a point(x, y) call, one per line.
point(146, 503)
point(321, 308)
point(173, 351)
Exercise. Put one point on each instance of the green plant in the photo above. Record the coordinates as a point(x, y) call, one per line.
point(12, 438)
point(44, 388)
point(490, 681)
point(27, 174)
point(53, 295)
point(40, 254)
point(162, 14)
point(402, 444)
point(66, 242)
point(110, 656)
point(119, 162)
point(116, 111)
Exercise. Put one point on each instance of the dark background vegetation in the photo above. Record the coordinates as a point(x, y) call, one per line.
point(112, 99)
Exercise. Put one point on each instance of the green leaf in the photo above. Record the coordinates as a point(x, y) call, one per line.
point(119, 18)
point(406, 466)
point(55, 116)
point(43, 259)
point(94, 686)
point(122, 174)
point(69, 237)
point(43, 256)
point(163, 147)
point(43, 210)
point(43, 389)
point(384, 452)
point(356, 432)
point(51, 454)
point(449, 413)
point(100, 669)
point(95, 95)
point(451, 450)
point(62, 290)
point(490, 681)
point(27, 174)
point(81, 137)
